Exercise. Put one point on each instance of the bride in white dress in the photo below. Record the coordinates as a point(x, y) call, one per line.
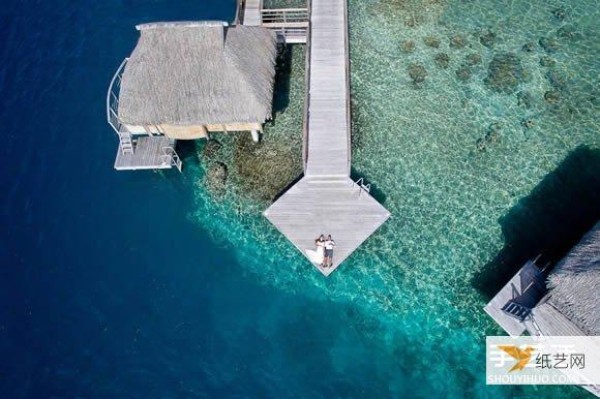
point(317, 256)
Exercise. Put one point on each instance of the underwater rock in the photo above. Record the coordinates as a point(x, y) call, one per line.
point(594, 99)
point(480, 144)
point(552, 96)
point(528, 47)
point(432, 41)
point(568, 32)
point(413, 20)
point(549, 44)
point(473, 59)
point(491, 136)
point(487, 38)
point(216, 177)
point(559, 13)
point(493, 133)
point(417, 73)
point(442, 60)
point(464, 73)
point(524, 99)
point(505, 73)
point(547, 61)
point(458, 41)
point(211, 149)
point(527, 123)
point(556, 79)
point(408, 46)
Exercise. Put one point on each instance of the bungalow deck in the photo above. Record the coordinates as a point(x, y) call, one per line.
point(151, 152)
point(525, 289)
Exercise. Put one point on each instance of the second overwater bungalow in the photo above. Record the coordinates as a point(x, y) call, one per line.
point(186, 80)
point(560, 302)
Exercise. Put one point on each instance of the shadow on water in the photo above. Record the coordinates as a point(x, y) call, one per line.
point(375, 191)
point(188, 150)
point(551, 220)
point(281, 95)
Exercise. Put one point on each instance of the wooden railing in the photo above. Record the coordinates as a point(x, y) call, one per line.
point(171, 157)
point(285, 17)
point(291, 35)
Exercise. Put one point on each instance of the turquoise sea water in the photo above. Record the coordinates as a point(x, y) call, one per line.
point(151, 285)
point(464, 217)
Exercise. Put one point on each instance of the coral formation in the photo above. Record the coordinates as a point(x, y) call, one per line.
point(458, 41)
point(417, 73)
point(473, 59)
point(527, 123)
point(216, 178)
point(524, 99)
point(211, 149)
point(492, 136)
point(528, 47)
point(464, 73)
point(442, 60)
point(559, 13)
point(408, 46)
point(487, 38)
point(547, 61)
point(505, 73)
point(549, 44)
point(552, 96)
point(432, 41)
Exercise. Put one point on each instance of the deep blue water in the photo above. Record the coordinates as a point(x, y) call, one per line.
point(107, 289)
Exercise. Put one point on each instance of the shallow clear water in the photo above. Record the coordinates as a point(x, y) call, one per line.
point(150, 285)
point(463, 217)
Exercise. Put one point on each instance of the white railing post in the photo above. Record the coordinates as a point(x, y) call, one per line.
point(112, 98)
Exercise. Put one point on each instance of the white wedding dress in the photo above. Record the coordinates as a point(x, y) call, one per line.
point(317, 256)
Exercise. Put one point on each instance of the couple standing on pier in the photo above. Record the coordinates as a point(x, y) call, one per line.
point(323, 256)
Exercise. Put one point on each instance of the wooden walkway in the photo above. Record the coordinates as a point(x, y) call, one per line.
point(252, 13)
point(326, 201)
point(328, 91)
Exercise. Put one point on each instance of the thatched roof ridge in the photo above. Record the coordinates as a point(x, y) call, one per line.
point(179, 24)
point(190, 73)
point(575, 283)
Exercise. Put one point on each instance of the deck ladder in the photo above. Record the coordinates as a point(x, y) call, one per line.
point(516, 310)
point(125, 142)
point(171, 156)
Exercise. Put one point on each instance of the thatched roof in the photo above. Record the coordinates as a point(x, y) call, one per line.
point(575, 284)
point(187, 73)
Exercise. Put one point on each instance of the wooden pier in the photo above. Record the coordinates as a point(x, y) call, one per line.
point(252, 11)
point(326, 200)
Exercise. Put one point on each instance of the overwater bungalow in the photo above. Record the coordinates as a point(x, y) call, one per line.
point(563, 302)
point(185, 80)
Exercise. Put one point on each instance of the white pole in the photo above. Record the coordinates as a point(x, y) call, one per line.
point(255, 136)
